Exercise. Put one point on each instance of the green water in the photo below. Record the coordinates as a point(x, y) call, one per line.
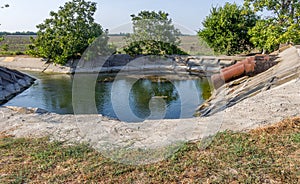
point(152, 97)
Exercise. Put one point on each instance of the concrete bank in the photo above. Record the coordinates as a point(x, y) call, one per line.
point(115, 63)
point(260, 100)
point(231, 93)
point(32, 64)
point(12, 82)
point(263, 109)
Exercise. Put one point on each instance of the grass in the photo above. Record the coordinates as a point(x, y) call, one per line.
point(266, 155)
point(11, 53)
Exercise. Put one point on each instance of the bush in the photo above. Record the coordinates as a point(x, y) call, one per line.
point(67, 33)
point(282, 25)
point(5, 47)
point(226, 29)
point(153, 34)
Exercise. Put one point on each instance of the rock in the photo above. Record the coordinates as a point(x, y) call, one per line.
point(117, 60)
point(227, 62)
point(40, 111)
point(210, 61)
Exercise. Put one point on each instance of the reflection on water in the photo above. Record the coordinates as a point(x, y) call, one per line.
point(142, 94)
point(49, 92)
point(149, 97)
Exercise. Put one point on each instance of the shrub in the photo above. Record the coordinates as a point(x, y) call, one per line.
point(68, 32)
point(226, 29)
point(153, 34)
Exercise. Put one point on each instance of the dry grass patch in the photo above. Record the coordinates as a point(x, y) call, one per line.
point(265, 155)
point(286, 126)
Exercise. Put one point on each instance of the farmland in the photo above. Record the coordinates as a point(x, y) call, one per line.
point(18, 44)
point(190, 44)
point(15, 43)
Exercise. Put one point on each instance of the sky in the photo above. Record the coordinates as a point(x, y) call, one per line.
point(114, 15)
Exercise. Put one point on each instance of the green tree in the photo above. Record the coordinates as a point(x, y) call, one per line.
point(264, 35)
point(68, 32)
point(282, 25)
point(5, 47)
point(226, 29)
point(153, 34)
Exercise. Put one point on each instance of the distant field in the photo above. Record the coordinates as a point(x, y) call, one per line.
point(194, 46)
point(190, 44)
point(16, 43)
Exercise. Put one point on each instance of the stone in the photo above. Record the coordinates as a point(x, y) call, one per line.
point(225, 62)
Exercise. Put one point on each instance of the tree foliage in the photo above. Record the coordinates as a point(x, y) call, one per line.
point(153, 34)
point(226, 29)
point(281, 25)
point(5, 47)
point(68, 32)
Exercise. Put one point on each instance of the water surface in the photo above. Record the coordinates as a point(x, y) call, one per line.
point(149, 97)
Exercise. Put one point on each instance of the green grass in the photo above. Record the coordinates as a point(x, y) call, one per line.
point(11, 53)
point(267, 155)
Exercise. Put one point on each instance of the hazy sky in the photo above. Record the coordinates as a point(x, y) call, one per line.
point(24, 15)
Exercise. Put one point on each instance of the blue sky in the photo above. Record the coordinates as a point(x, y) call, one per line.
point(24, 15)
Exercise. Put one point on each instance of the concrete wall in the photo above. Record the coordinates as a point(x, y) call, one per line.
point(115, 63)
point(12, 83)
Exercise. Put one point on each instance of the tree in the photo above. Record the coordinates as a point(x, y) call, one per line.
point(5, 47)
point(282, 25)
point(67, 33)
point(153, 34)
point(264, 35)
point(226, 29)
